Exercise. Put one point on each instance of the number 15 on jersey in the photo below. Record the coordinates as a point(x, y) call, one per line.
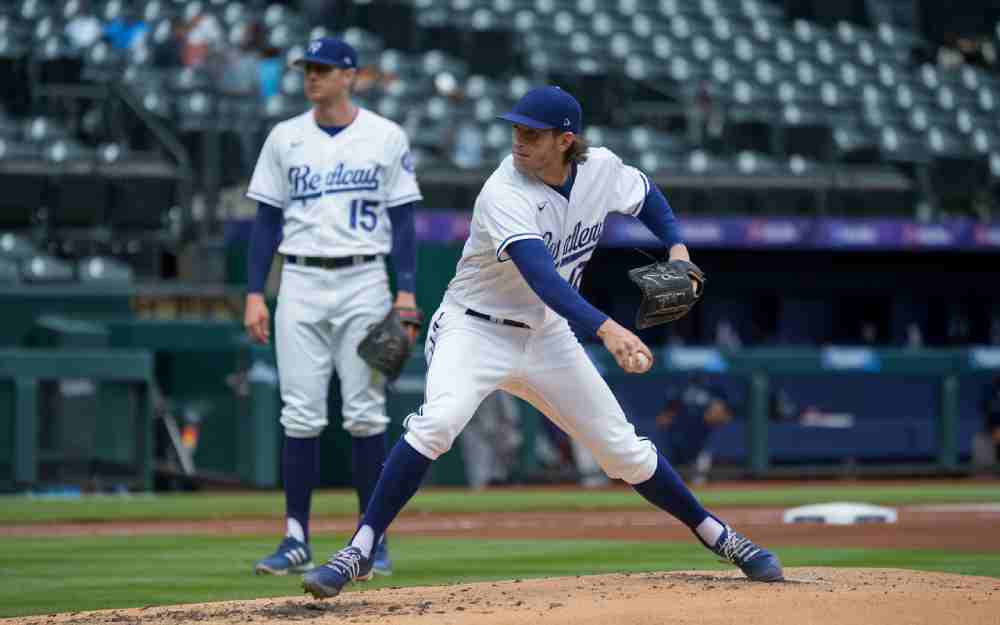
point(363, 214)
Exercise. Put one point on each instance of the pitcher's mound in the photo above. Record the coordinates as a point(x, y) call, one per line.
point(810, 596)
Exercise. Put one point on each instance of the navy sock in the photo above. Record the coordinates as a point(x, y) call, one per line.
point(666, 491)
point(367, 458)
point(403, 473)
point(300, 473)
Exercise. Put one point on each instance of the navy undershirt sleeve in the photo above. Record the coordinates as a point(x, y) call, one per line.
point(657, 215)
point(535, 264)
point(264, 240)
point(404, 246)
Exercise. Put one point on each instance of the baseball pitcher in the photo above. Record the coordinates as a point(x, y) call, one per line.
point(503, 324)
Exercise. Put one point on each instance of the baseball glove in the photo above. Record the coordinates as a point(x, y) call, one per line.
point(387, 345)
point(669, 291)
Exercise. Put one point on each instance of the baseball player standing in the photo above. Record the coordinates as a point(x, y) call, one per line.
point(503, 324)
point(336, 187)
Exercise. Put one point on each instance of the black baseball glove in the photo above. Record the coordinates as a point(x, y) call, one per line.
point(669, 290)
point(387, 345)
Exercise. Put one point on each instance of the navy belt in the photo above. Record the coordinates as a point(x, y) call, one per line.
point(498, 320)
point(327, 262)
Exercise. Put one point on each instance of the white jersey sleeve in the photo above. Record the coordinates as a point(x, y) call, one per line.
point(507, 218)
point(401, 179)
point(632, 186)
point(269, 183)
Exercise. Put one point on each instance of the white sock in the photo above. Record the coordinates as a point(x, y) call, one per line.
point(710, 530)
point(364, 540)
point(294, 529)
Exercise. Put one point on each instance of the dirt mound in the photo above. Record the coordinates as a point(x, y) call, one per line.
point(811, 595)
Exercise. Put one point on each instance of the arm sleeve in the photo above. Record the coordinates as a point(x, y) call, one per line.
point(404, 246)
point(269, 183)
point(507, 220)
point(264, 240)
point(535, 264)
point(401, 179)
point(657, 215)
point(632, 188)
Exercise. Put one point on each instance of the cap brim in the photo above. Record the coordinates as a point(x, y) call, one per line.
point(298, 63)
point(514, 118)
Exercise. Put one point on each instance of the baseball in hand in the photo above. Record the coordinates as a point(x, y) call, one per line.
point(639, 363)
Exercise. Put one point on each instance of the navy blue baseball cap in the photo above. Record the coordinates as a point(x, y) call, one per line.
point(329, 51)
point(543, 108)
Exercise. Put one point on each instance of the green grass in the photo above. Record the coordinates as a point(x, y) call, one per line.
point(15, 509)
point(46, 575)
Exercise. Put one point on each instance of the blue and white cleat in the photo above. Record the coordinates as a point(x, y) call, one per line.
point(381, 562)
point(291, 556)
point(757, 563)
point(347, 565)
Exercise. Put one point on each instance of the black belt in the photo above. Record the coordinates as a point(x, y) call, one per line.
point(504, 322)
point(327, 262)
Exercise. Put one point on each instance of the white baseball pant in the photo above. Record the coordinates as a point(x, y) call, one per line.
point(468, 358)
point(322, 315)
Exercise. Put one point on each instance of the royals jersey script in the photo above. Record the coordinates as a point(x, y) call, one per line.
point(334, 191)
point(513, 206)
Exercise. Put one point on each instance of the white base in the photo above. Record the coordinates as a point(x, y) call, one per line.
point(840, 513)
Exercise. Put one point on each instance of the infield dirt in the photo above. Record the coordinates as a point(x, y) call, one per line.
point(812, 596)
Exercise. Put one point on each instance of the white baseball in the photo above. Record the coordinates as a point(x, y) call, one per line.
point(639, 362)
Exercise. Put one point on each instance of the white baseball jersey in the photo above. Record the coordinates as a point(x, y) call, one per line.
point(335, 191)
point(513, 206)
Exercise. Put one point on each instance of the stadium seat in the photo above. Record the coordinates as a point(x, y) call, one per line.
point(31, 10)
point(983, 141)
point(888, 75)
point(157, 103)
point(196, 111)
point(751, 163)
point(15, 247)
point(43, 268)
point(827, 53)
point(768, 73)
point(154, 10)
point(943, 143)
point(898, 145)
point(103, 269)
point(187, 80)
point(865, 54)
point(234, 12)
point(292, 83)
point(102, 64)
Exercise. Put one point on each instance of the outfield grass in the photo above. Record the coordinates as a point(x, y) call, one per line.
point(16, 509)
point(46, 575)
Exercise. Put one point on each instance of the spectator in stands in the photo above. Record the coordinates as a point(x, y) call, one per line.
point(562, 456)
point(991, 414)
point(170, 52)
point(235, 67)
point(692, 414)
point(269, 71)
point(781, 407)
point(492, 441)
point(203, 38)
point(463, 143)
point(704, 116)
point(125, 31)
